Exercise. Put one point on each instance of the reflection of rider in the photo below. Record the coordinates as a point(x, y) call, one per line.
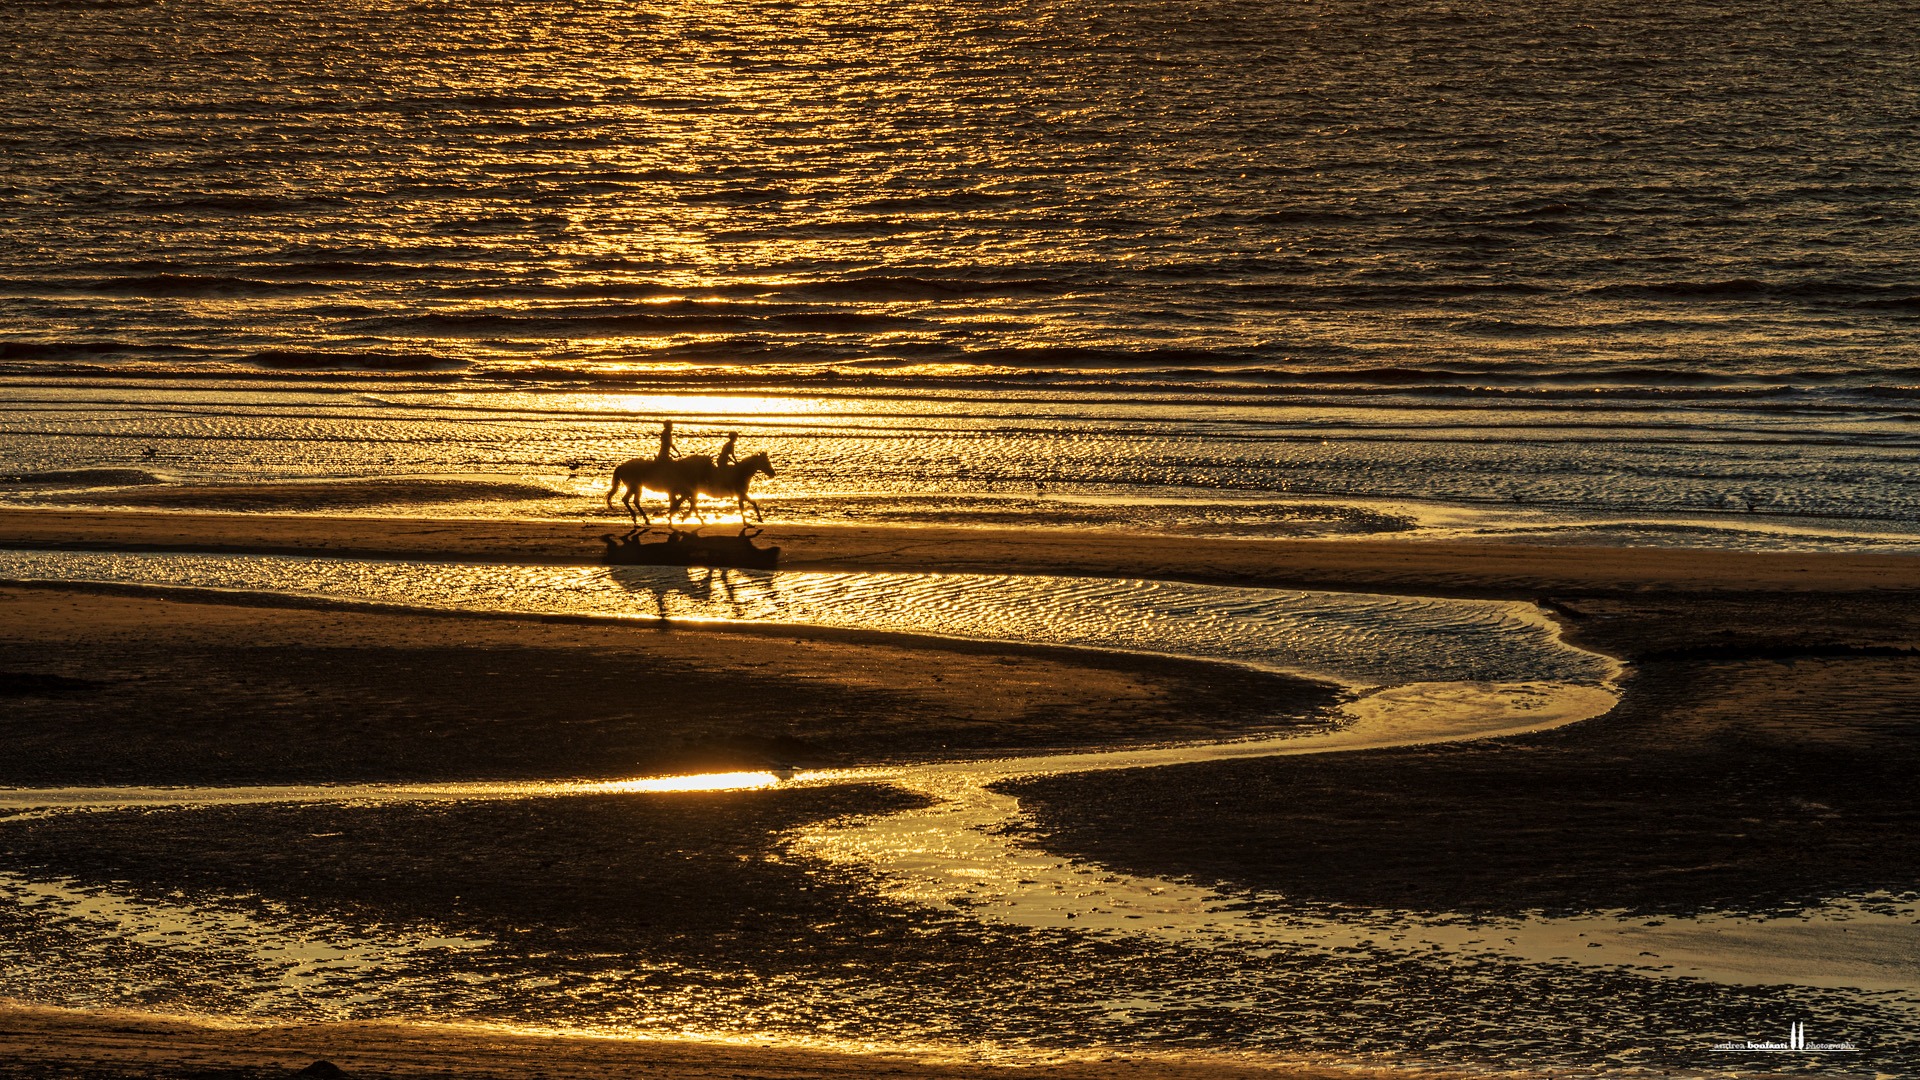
point(725, 457)
point(666, 442)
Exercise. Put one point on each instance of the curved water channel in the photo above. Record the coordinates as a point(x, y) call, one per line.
point(1417, 670)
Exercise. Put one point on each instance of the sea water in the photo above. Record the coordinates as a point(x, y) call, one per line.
point(1607, 270)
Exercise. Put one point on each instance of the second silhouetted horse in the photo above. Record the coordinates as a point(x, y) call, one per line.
point(685, 480)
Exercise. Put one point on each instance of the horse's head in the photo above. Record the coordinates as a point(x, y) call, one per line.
point(758, 462)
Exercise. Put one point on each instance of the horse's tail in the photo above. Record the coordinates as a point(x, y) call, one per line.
point(614, 488)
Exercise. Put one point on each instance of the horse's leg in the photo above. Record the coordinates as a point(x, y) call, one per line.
point(757, 515)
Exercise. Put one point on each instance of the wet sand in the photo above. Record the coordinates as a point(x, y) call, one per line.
point(241, 693)
point(96, 1046)
point(1758, 759)
point(315, 497)
point(1370, 564)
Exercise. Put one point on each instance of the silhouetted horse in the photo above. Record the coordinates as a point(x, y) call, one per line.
point(729, 482)
point(677, 478)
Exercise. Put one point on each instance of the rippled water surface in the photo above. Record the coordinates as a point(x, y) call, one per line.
point(1358, 639)
point(1529, 266)
point(1339, 186)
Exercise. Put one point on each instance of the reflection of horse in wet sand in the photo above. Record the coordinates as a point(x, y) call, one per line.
point(690, 549)
point(685, 480)
point(653, 570)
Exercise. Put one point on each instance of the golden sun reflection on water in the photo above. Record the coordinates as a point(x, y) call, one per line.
point(724, 781)
point(685, 405)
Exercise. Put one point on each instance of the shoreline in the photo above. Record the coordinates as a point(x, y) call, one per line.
point(1442, 568)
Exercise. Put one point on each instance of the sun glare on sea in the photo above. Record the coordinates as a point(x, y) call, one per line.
point(683, 408)
point(696, 405)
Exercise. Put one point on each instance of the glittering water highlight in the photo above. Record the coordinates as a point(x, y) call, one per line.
point(1351, 192)
point(1638, 271)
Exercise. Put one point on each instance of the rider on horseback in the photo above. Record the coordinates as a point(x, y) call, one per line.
point(685, 479)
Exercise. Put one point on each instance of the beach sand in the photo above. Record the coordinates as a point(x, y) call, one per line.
point(117, 687)
point(1770, 701)
point(38, 1041)
point(1760, 759)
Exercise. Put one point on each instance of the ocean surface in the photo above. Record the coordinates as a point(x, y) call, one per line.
point(1606, 269)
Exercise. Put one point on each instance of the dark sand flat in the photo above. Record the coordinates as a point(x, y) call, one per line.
point(1762, 757)
point(121, 687)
